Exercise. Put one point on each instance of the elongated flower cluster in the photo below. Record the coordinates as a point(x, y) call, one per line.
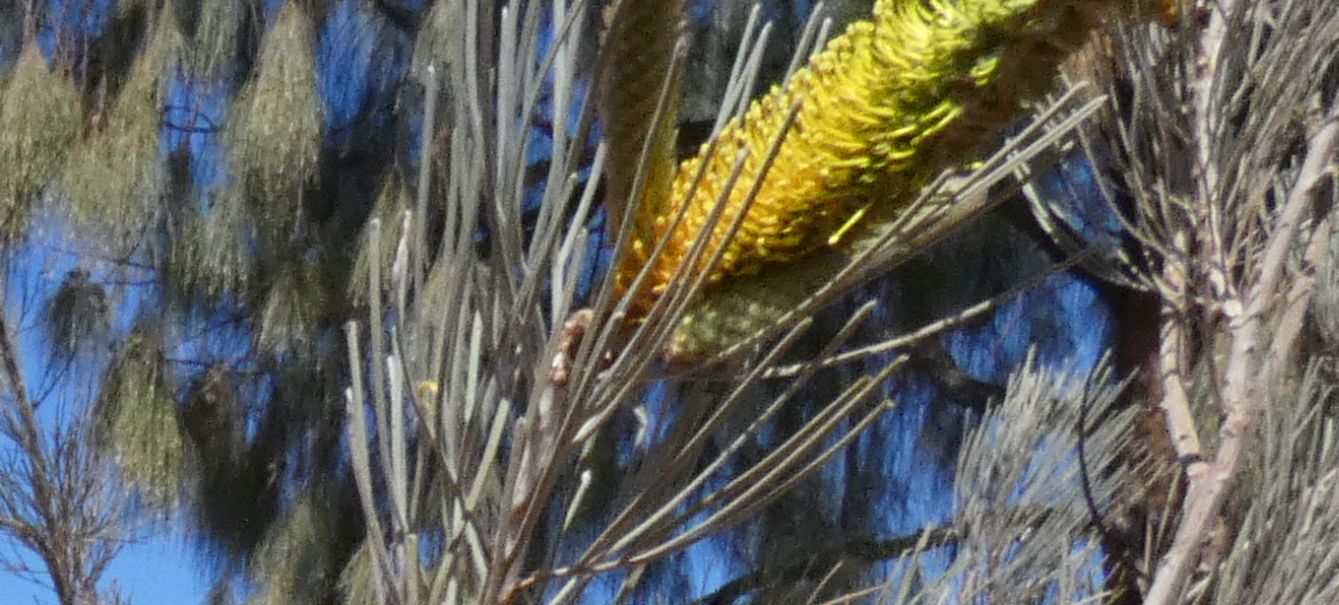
point(882, 109)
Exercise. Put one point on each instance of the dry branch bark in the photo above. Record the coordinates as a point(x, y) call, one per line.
point(1263, 307)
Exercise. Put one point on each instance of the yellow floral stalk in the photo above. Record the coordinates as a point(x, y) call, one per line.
point(883, 109)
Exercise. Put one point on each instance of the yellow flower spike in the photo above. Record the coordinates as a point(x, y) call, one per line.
point(883, 109)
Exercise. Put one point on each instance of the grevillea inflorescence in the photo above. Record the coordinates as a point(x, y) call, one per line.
point(886, 106)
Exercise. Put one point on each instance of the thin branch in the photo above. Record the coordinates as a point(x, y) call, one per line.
point(1283, 347)
point(1242, 394)
point(1173, 360)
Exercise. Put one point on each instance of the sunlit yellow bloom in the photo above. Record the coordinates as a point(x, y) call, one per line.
point(883, 108)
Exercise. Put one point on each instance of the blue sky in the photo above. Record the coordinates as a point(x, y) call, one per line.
point(162, 567)
point(158, 567)
point(160, 570)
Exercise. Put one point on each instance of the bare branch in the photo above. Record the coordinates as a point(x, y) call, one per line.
point(1242, 394)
